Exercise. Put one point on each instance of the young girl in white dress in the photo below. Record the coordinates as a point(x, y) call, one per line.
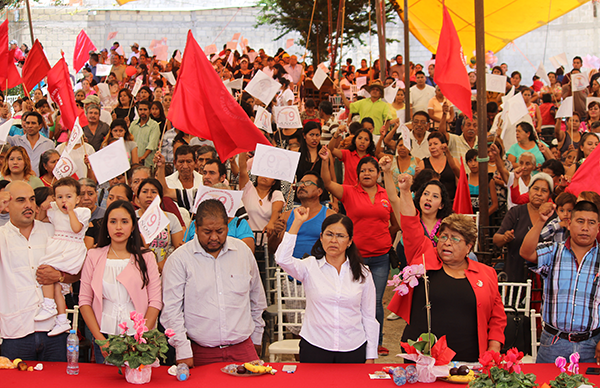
point(65, 251)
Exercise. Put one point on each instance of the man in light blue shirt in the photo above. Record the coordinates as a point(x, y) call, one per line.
point(34, 143)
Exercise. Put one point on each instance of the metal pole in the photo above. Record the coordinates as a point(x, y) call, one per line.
point(30, 23)
point(406, 66)
point(380, 14)
point(482, 116)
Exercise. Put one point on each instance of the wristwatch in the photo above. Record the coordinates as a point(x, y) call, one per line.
point(61, 279)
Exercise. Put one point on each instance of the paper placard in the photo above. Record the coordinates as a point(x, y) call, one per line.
point(103, 70)
point(263, 87)
point(262, 120)
point(170, 77)
point(389, 93)
point(153, 221)
point(231, 199)
point(323, 67)
point(119, 50)
point(236, 84)
point(287, 116)
point(559, 60)
point(579, 82)
point(566, 108)
point(236, 36)
point(516, 108)
point(289, 43)
point(4, 130)
point(103, 92)
point(178, 56)
point(210, 49)
point(252, 56)
point(405, 132)
point(360, 82)
point(541, 72)
point(275, 163)
point(232, 46)
point(65, 166)
point(319, 77)
point(75, 136)
point(495, 83)
point(590, 99)
point(110, 161)
point(137, 87)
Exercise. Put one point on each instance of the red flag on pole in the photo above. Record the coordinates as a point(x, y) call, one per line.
point(587, 176)
point(14, 78)
point(462, 200)
point(36, 66)
point(450, 69)
point(3, 53)
point(202, 106)
point(61, 92)
point(83, 46)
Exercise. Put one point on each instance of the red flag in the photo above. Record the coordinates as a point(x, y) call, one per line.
point(462, 200)
point(61, 92)
point(83, 46)
point(587, 176)
point(202, 106)
point(450, 71)
point(36, 66)
point(14, 78)
point(3, 53)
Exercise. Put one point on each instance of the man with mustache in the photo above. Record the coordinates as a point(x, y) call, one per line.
point(22, 243)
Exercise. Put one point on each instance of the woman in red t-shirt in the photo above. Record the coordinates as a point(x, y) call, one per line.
point(362, 145)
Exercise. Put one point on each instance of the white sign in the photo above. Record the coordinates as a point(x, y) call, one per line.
point(275, 163)
point(405, 132)
point(287, 116)
point(110, 161)
point(210, 49)
point(232, 46)
point(579, 82)
point(566, 108)
point(103, 70)
point(289, 43)
point(65, 166)
point(153, 221)
point(323, 67)
point(235, 84)
point(263, 119)
point(495, 83)
point(360, 82)
point(389, 93)
point(516, 108)
point(137, 87)
point(170, 77)
point(104, 92)
point(75, 136)
point(319, 77)
point(4, 130)
point(231, 199)
point(541, 72)
point(263, 87)
point(236, 36)
point(252, 56)
point(559, 60)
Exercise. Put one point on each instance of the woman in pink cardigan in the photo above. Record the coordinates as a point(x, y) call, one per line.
point(118, 277)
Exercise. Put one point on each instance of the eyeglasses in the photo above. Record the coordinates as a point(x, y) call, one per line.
point(338, 236)
point(453, 240)
point(419, 122)
point(306, 183)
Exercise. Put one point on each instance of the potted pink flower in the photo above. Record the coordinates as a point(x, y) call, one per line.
point(138, 353)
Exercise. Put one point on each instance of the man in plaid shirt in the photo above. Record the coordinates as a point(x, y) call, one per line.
point(571, 285)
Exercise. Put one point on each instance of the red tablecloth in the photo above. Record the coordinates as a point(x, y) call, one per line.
point(306, 376)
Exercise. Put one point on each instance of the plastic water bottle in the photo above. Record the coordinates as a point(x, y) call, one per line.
point(72, 353)
point(183, 372)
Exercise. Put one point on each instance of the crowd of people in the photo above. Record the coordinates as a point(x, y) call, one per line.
point(373, 192)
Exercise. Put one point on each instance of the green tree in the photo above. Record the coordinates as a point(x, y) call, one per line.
point(289, 16)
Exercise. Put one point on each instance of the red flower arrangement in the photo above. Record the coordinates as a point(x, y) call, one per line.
point(510, 362)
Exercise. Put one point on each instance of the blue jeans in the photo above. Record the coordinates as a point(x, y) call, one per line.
point(552, 347)
point(98, 354)
point(380, 269)
point(36, 347)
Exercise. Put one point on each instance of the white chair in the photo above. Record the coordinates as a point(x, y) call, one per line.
point(336, 102)
point(534, 316)
point(75, 320)
point(296, 292)
point(516, 296)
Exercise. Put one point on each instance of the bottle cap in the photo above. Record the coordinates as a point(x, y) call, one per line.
point(182, 377)
point(71, 331)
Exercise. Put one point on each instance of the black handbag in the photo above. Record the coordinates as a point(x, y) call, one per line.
point(394, 261)
point(517, 333)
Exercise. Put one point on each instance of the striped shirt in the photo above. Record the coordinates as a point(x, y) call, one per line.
point(571, 292)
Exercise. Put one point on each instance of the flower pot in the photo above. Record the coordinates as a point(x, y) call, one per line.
point(141, 375)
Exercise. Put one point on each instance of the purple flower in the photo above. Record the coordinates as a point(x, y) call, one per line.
point(561, 362)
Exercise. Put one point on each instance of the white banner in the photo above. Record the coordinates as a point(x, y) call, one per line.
point(153, 221)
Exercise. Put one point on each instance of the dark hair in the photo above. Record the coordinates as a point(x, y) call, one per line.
point(41, 103)
point(365, 160)
point(555, 166)
point(593, 104)
point(577, 57)
point(354, 256)
point(4, 183)
point(370, 149)
point(528, 129)
point(67, 181)
point(420, 72)
point(128, 93)
point(149, 91)
point(310, 103)
point(39, 117)
point(471, 154)
point(585, 206)
point(184, 150)
point(211, 208)
point(221, 167)
point(421, 113)
point(584, 137)
point(516, 73)
point(320, 183)
point(41, 194)
point(439, 136)
point(565, 198)
point(497, 68)
point(367, 120)
point(354, 127)
point(546, 98)
point(492, 107)
point(423, 177)
point(146, 103)
point(446, 209)
point(161, 112)
point(134, 242)
point(326, 107)
point(128, 190)
point(117, 123)
point(151, 181)
point(309, 126)
point(205, 149)
point(45, 158)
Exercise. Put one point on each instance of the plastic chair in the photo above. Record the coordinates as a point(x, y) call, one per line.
point(282, 345)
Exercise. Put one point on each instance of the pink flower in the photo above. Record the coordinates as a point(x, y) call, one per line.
point(413, 281)
point(124, 327)
point(561, 362)
point(407, 271)
point(574, 358)
point(402, 289)
point(169, 333)
point(517, 368)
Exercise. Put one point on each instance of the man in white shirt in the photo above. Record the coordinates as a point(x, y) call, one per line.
point(419, 146)
point(183, 184)
point(268, 70)
point(213, 295)
point(22, 243)
point(421, 93)
point(295, 70)
point(136, 52)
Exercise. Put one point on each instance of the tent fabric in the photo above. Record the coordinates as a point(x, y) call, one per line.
point(505, 20)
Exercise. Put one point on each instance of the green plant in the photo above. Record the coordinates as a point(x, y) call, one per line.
point(566, 380)
point(502, 378)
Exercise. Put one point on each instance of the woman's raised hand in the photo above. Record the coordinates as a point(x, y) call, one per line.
point(385, 163)
point(324, 153)
point(404, 182)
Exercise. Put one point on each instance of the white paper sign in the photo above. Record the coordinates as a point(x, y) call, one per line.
point(232, 46)
point(119, 50)
point(566, 108)
point(559, 60)
point(323, 67)
point(74, 137)
point(170, 77)
point(137, 87)
point(236, 36)
point(516, 108)
point(103, 70)
point(178, 56)
point(252, 56)
point(405, 132)
point(104, 92)
point(495, 83)
point(289, 43)
point(153, 221)
point(263, 87)
point(231, 199)
point(235, 84)
point(110, 161)
point(360, 82)
point(579, 82)
point(263, 119)
point(389, 93)
point(287, 116)
point(541, 72)
point(319, 77)
point(210, 49)
point(4, 130)
point(275, 163)
point(65, 166)
point(590, 99)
